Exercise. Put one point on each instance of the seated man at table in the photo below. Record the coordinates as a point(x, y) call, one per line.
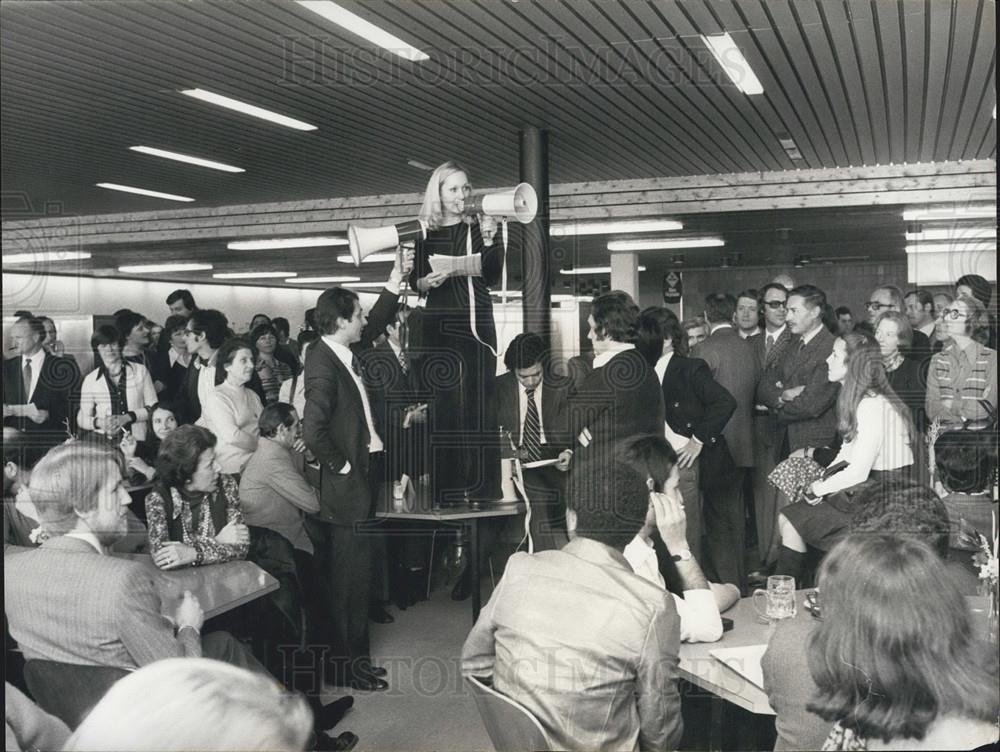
point(910, 511)
point(579, 639)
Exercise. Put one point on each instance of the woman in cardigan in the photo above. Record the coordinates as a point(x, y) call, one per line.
point(115, 395)
point(878, 437)
point(232, 408)
point(194, 516)
point(272, 366)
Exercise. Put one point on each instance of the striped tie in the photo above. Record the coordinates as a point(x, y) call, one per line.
point(531, 438)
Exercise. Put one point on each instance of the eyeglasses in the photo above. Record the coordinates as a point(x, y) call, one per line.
point(774, 303)
point(951, 313)
point(873, 306)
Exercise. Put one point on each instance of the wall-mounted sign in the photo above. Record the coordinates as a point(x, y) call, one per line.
point(673, 287)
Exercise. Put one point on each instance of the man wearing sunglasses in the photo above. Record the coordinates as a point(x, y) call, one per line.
point(890, 298)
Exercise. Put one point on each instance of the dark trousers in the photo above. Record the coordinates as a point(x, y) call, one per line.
point(725, 531)
point(546, 492)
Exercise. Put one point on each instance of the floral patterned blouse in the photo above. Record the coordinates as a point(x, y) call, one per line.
point(843, 738)
point(198, 529)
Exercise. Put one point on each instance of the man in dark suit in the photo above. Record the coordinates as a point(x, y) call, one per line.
point(799, 392)
point(204, 333)
point(696, 408)
point(770, 350)
point(38, 388)
point(731, 361)
point(529, 410)
point(339, 430)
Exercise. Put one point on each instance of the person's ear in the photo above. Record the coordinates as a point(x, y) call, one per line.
point(10, 470)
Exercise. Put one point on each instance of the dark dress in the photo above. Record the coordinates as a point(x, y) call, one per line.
point(458, 370)
point(909, 382)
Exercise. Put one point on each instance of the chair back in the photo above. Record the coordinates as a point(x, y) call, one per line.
point(511, 727)
point(69, 691)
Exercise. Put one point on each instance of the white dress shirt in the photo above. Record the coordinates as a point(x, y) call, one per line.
point(346, 357)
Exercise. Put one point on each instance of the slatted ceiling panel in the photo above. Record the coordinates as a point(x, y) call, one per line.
point(988, 127)
point(911, 13)
point(839, 28)
point(937, 29)
point(961, 47)
point(978, 80)
point(864, 47)
point(808, 95)
point(889, 44)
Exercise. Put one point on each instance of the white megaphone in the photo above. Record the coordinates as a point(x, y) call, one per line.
point(519, 204)
point(364, 241)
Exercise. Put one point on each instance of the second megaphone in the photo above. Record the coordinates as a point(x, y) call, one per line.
point(365, 241)
point(520, 204)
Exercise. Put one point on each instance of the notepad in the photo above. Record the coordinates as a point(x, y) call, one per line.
point(743, 660)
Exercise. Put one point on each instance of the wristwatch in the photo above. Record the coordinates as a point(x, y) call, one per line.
point(683, 555)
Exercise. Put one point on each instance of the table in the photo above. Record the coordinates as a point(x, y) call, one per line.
point(218, 587)
point(421, 509)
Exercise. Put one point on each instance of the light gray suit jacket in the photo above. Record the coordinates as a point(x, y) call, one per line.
point(66, 602)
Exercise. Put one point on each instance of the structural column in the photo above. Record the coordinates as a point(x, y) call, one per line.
point(625, 273)
point(534, 146)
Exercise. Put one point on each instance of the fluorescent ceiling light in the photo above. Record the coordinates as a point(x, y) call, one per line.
point(45, 257)
point(357, 25)
point(154, 152)
point(955, 247)
point(301, 280)
point(279, 243)
point(368, 285)
point(954, 234)
point(592, 270)
point(563, 298)
point(142, 192)
point(419, 165)
point(950, 211)
point(248, 109)
point(153, 268)
point(663, 244)
point(733, 63)
point(566, 229)
point(372, 259)
point(254, 275)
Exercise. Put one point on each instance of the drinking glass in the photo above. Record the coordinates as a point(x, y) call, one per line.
point(779, 598)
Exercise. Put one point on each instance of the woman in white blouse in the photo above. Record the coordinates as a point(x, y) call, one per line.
point(232, 408)
point(878, 447)
point(116, 394)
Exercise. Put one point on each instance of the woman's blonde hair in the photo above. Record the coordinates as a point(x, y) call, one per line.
point(67, 480)
point(430, 209)
point(195, 703)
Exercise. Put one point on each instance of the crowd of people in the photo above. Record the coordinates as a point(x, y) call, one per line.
point(643, 462)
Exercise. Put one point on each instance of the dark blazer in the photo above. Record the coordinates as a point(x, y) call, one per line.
point(695, 404)
point(334, 426)
point(811, 418)
point(767, 433)
point(508, 391)
point(390, 392)
point(731, 361)
point(55, 391)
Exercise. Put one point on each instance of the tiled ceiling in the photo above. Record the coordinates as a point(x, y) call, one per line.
point(626, 89)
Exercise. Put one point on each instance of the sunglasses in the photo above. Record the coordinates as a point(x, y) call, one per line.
point(774, 303)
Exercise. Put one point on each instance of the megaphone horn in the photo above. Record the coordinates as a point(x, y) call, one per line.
point(364, 241)
point(520, 204)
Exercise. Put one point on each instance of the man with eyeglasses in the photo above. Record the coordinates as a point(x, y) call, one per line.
point(890, 298)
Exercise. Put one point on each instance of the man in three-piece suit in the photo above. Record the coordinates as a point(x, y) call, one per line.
point(730, 359)
point(770, 350)
point(340, 431)
point(797, 390)
point(530, 411)
point(38, 387)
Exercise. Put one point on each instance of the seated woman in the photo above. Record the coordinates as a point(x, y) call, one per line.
point(877, 433)
point(141, 456)
point(897, 660)
point(273, 364)
point(114, 396)
point(232, 409)
point(194, 516)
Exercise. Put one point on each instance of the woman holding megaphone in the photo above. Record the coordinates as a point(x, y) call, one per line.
point(455, 268)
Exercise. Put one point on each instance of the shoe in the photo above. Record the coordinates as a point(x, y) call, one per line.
point(379, 615)
point(339, 743)
point(377, 671)
point(329, 715)
point(368, 684)
point(462, 589)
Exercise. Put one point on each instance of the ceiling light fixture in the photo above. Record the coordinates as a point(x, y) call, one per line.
point(309, 280)
point(280, 243)
point(45, 257)
point(566, 229)
point(592, 270)
point(950, 211)
point(154, 152)
point(953, 234)
point(143, 192)
point(956, 247)
point(247, 109)
point(663, 244)
point(733, 63)
point(367, 285)
point(365, 29)
point(254, 275)
point(154, 268)
point(419, 165)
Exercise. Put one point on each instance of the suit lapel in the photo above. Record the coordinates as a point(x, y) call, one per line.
point(348, 378)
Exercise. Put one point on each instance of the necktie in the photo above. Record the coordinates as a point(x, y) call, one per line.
point(26, 380)
point(356, 365)
point(768, 343)
point(404, 362)
point(531, 438)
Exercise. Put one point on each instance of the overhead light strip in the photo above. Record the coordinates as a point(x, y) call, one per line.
point(187, 158)
point(45, 257)
point(567, 229)
point(733, 63)
point(592, 270)
point(255, 275)
point(143, 192)
point(156, 268)
point(311, 280)
point(281, 243)
point(663, 244)
point(364, 29)
point(248, 109)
